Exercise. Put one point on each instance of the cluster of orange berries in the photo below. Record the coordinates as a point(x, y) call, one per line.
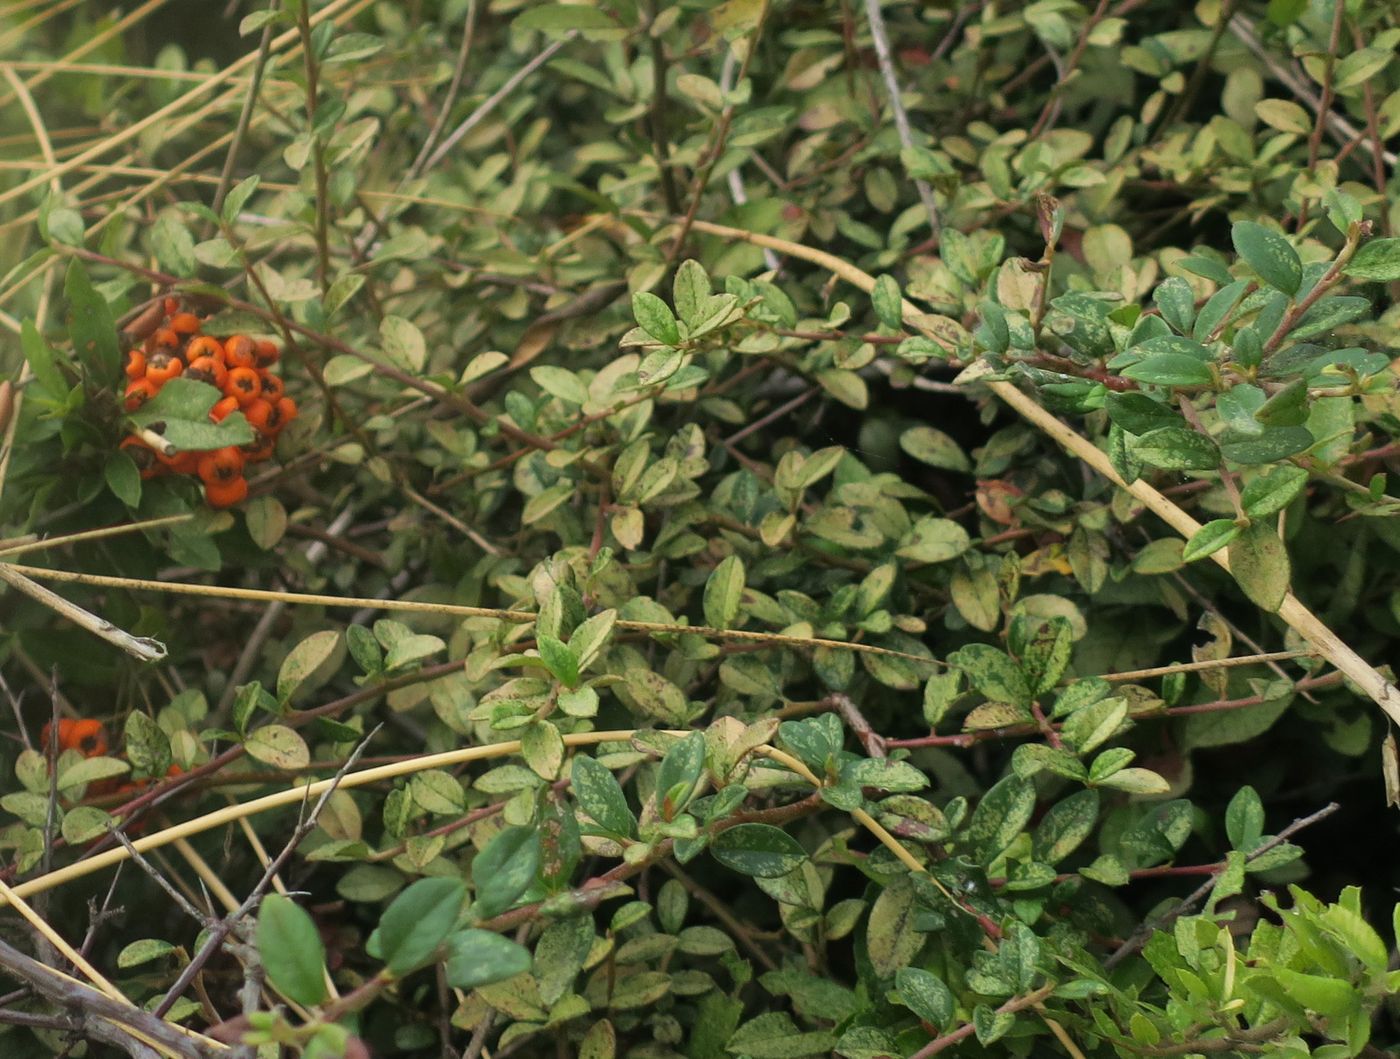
point(89, 738)
point(239, 367)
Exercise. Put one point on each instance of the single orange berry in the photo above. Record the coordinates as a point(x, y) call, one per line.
point(240, 351)
point(163, 340)
point(268, 353)
point(263, 416)
point(184, 324)
point(172, 306)
point(161, 367)
point(205, 346)
point(138, 392)
point(287, 409)
point(273, 388)
point(244, 384)
point(207, 369)
point(221, 465)
point(226, 494)
point(135, 364)
point(89, 738)
point(221, 410)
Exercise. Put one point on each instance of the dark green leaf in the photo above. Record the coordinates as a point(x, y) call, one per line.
point(1176, 449)
point(91, 327)
point(1270, 255)
point(505, 869)
point(418, 922)
point(292, 953)
point(760, 850)
point(1378, 260)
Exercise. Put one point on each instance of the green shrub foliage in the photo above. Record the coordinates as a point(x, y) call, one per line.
point(691, 655)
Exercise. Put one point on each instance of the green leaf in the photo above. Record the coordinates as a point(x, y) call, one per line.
point(775, 1036)
point(145, 951)
point(760, 850)
point(505, 869)
point(1170, 369)
point(887, 302)
point(1136, 781)
point(180, 414)
point(1210, 538)
point(558, 19)
point(993, 673)
point(679, 774)
point(600, 796)
point(304, 662)
point(1270, 255)
point(403, 343)
point(926, 996)
point(291, 950)
point(278, 746)
point(1176, 302)
point(1259, 562)
point(1377, 260)
point(691, 291)
point(1176, 449)
point(935, 448)
point(1000, 816)
point(479, 957)
point(91, 327)
point(43, 361)
point(724, 591)
point(559, 658)
point(418, 922)
point(1272, 491)
point(123, 478)
point(1244, 819)
point(238, 197)
point(655, 318)
point(1137, 413)
point(934, 540)
point(1065, 826)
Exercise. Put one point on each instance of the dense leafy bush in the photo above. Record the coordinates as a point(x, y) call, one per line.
point(792, 534)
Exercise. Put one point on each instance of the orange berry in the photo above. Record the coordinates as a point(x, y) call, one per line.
point(221, 465)
point(181, 462)
point(163, 340)
point(263, 416)
point(135, 364)
point(161, 367)
point(86, 736)
point(184, 323)
point(260, 450)
point(287, 409)
point(172, 306)
point(205, 346)
point(240, 351)
point(244, 384)
point(226, 494)
point(273, 388)
point(207, 369)
point(221, 410)
point(267, 353)
point(138, 392)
